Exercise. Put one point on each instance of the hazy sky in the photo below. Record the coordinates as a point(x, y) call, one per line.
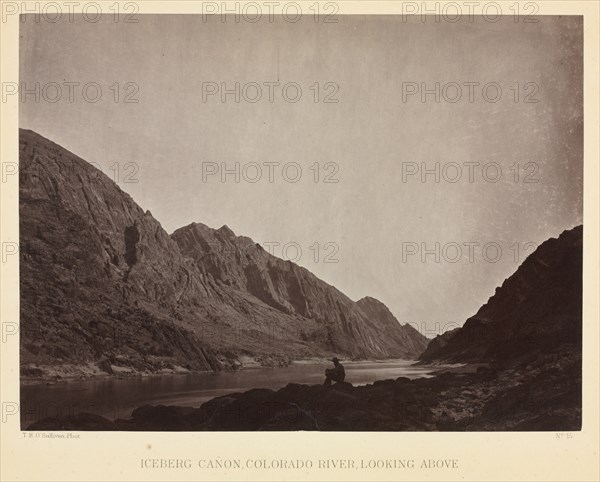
point(370, 135)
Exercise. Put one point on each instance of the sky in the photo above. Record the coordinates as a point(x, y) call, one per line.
point(520, 155)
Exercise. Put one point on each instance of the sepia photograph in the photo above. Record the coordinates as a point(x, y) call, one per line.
point(258, 219)
point(367, 253)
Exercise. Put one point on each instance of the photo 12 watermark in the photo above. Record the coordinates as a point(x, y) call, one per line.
point(470, 172)
point(71, 92)
point(454, 12)
point(465, 251)
point(270, 172)
point(270, 92)
point(71, 11)
point(470, 92)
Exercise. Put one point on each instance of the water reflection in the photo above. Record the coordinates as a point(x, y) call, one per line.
point(116, 398)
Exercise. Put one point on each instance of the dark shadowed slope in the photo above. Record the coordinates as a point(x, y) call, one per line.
point(537, 309)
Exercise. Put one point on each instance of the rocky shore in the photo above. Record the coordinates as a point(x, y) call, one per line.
point(500, 398)
point(122, 367)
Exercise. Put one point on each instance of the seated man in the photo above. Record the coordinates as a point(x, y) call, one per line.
point(337, 373)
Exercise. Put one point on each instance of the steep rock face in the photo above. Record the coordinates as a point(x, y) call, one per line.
point(98, 276)
point(103, 284)
point(240, 263)
point(414, 342)
point(536, 309)
point(438, 343)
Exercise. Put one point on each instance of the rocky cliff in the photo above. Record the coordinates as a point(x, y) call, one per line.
point(412, 340)
point(105, 288)
point(352, 328)
point(101, 282)
point(536, 310)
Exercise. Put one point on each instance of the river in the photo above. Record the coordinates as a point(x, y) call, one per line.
point(114, 397)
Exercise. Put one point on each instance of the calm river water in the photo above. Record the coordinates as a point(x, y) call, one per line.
point(116, 398)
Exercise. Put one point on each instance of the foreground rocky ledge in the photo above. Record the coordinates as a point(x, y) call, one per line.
point(539, 393)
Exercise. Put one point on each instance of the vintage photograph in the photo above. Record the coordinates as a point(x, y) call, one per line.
point(317, 222)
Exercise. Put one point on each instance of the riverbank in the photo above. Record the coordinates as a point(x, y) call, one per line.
point(506, 398)
point(49, 375)
point(34, 374)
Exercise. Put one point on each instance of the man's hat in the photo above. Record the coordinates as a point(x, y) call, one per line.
point(334, 359)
